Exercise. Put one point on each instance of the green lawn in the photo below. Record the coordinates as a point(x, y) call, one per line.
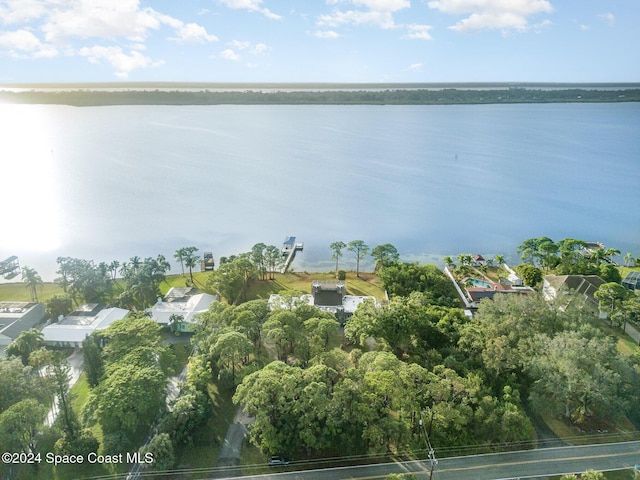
point(18, 292)
point(366, 284)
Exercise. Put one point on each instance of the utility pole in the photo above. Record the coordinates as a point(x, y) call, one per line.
point(432, 453)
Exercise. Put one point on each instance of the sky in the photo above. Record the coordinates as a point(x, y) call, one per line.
point(352, 41)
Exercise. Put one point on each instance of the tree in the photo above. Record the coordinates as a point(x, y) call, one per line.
point(610, 296)
point(93, 361)
point(499, 260)
point(129, 397)
point(32, 281)
point(160, 448)
point(400, 279)
point(273, 260)
point(547, 251)
point(360, 249)
point(231, 280)
point(61, 374)
point(27, 342)
point(448, 262)
point(336, 248)
point(610, 273)
point(530, 275)
point(20, 424)
point(384, 255)
point(233, 350)
point(113, 269)
point(578, 374)
point(59, 305)
point(259, 260)
point(179, 256)
point(191, 261)
point(628, 259)
point(17, 383)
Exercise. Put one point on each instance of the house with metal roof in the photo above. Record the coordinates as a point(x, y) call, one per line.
point(180, 306)
point(17, 317)
point(584, 285)
point(328, 296)
point(71, 330)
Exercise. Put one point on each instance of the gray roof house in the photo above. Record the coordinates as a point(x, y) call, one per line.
point(328, 296)
point(584, 285)
point(16, 317)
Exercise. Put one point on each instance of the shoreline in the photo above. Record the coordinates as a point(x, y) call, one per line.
point(360, 94)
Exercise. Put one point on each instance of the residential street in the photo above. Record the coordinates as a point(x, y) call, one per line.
point(499, 466)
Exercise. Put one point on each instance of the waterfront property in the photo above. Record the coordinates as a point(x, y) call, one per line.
point(584, 285)
point(17, 317)
point(179, 308)
point(328, 296)
point(75, 327)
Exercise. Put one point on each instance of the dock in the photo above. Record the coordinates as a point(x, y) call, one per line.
point(289, 249)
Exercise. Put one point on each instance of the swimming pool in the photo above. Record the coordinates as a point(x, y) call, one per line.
point(478, 283)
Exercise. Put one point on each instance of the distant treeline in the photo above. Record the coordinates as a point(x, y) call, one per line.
point(402, 96)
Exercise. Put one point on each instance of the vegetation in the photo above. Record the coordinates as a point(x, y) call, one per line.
point(412, 366)
point(395, 95)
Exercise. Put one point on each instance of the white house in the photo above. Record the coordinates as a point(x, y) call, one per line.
point(181, 305)
point(75, 327)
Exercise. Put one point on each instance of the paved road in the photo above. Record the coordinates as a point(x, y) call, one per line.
point(499, 466)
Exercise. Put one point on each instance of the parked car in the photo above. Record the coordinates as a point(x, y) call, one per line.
point(278, 461)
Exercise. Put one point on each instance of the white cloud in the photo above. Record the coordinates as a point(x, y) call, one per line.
point(251, 5)
point(67, 25)
point(23, 43)
point(259, 49)
point(416, 67)
point(328, 34)
point(419, 32)
point(376, 12)
point(492, 14)
point(229, 54)
point(608, 17)
point(383, 19)
point(21, 11)
point(194, 33)
point(384, 5)
point(238, 45)
point(124, 63)
point(101, 19)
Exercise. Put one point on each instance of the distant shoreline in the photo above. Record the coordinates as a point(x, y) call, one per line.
point(162, 93)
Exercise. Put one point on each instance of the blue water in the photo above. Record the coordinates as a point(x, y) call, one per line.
point(113, 182)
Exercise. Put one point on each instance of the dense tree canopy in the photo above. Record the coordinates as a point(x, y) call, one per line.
point(401, 279)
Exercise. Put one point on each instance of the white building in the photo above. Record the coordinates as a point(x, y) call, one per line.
point(75, 327)
point(181, 305)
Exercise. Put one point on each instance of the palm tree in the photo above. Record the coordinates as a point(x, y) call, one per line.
point(179, 256)
point(499, 259)
point(448, 261)
point(32, 281)
point(628, 259)
point(609, 253)
point(113, 268)
point(135, 264)
point(191, 260)
point(27, 342)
